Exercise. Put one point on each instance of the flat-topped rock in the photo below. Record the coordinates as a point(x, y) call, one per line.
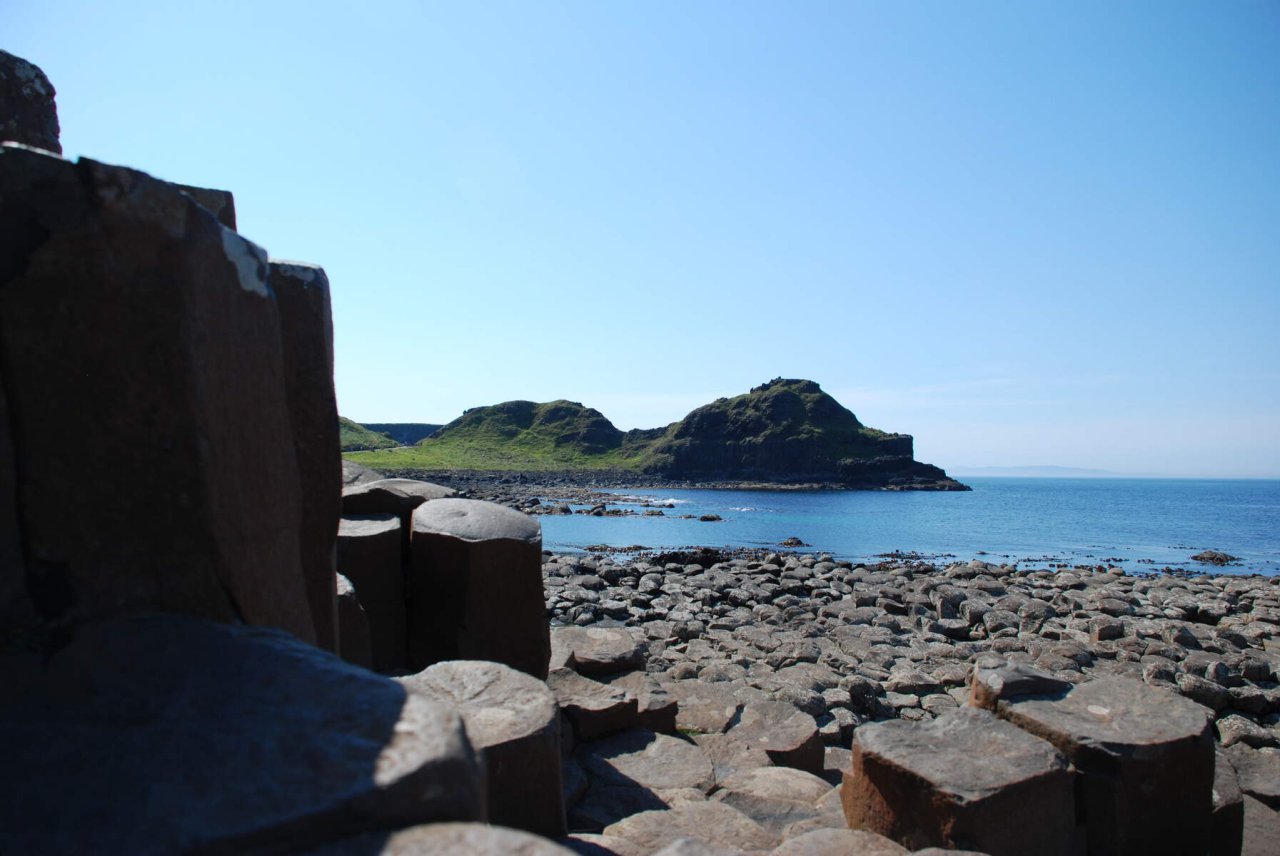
point(966, 779)
point(839, 842)
point(599, 651)
point(473, 520)
point(708, 708)
point(263, 743)
point(1145, 758)
point(513, 718)
point(449, 839)
point(594, 709)
point(591, 844)
point(789, 737)
point(1228, 808)
point(369, 555)
point(708, 822)
point(656, 709)
point(1258, 773)
point(655, 761)
point(774, 797)
point(353, 474)
point(1011, 680)
point(415, 487)
point(475, 586)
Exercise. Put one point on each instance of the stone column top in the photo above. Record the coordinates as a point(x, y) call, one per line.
point(497, 702)
point(1115, 716)
point(365, 525)
point(474, 520)
point(967, 753)
point(415, 487)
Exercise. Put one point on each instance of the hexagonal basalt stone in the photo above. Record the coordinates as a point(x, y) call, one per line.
point(475, 587)
point(1144, 757)
point(964, 780)
point(514, 719)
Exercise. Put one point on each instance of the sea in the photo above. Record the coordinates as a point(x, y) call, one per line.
point(1142, 525)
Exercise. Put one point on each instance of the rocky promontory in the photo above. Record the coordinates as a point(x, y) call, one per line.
point(782, 433)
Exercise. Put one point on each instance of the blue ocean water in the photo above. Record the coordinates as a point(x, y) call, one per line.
point(1139, 524)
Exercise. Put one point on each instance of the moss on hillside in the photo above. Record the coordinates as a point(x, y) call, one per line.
point(352, 436)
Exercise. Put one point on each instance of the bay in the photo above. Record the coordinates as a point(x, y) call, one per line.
point(1139, 524)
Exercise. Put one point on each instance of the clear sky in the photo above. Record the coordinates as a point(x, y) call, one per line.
point(1026, 233)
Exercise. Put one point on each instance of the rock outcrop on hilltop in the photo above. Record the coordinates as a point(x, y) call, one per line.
point(789, 431)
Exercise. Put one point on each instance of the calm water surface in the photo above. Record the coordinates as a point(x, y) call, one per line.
point(1137, 523)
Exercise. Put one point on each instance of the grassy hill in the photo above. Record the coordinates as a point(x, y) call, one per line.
point(353, 436)
point(521, 435)
point(784, 430)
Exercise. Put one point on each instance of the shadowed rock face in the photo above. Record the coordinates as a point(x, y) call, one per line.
point(259, 742)
point(172, 500)
point(28, 114)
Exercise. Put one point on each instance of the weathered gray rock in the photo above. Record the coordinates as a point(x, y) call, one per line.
point(590, 844)
point(655, 708)
point(694, 847)
point(709, 822)
point(1011, 680)
point(965, 779)
point(449, 839)
point(514, 720)
point(262, 743)
point(705, 708)
point(354, 474)
point(476, 587)
point(654, 761)
point(1145, 762)
point(1261, 828)
point(1258, 773)
point(773, 797)
point(416, 487)
point(28, 113)
point(839, 842)
point(789, 737)
point(1228, 809)
point(174, 500)
point(605, 804)
point(369, 555)
point(306, 334)
point(594, 709)
point(599, 651)
point(353, 627)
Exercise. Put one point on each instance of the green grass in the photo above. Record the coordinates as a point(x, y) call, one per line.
point(353, 436)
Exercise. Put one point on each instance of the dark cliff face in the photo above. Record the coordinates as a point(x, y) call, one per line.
point(784, 430)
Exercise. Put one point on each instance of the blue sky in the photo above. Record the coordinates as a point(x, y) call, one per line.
point(1026, 233)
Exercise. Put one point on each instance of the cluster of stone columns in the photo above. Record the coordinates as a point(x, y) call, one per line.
point(1109, 766)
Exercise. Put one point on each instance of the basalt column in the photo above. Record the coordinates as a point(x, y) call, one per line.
point(141, 364)
point(306, 332)
point(475, 587)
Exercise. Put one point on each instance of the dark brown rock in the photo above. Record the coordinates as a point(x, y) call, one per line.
point(353, 626)
point(219, 203)
point(262, 744)
point(306, 333)
point(369, 555)
point(173, 500)
point(1144, 758)
point(28, 113)
point(513, 719)
point(475, 587)
point(963, 780)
